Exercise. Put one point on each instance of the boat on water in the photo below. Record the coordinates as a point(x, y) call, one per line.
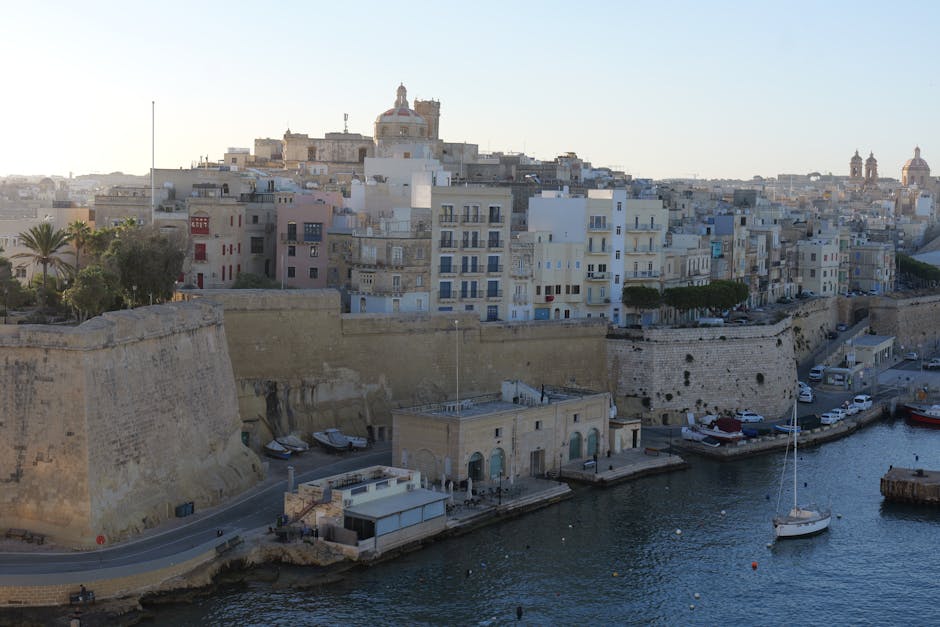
point(924, 414)
point(276, 450)
point(787, 428)
point(800, 521)
point(292, 443)
point(336, 440)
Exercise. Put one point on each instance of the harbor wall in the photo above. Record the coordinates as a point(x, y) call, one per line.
point(914, 320)
point(107, 426)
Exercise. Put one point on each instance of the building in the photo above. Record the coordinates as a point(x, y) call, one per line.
point(303, 222)
point(517, 432)
point(818, 263)
point(915, 171)
point(470, 250)
point(368, 510)
point(871, 267)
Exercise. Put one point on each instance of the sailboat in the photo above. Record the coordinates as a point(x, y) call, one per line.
point(800, 521)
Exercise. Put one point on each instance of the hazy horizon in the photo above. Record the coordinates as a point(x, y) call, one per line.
point(675, 90)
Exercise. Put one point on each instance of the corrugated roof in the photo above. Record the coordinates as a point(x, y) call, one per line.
point(380, 508)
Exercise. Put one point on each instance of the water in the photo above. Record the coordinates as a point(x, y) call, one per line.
point(875, 566)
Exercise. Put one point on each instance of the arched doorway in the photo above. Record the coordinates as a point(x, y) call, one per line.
point(497, 463)
point(475, 467)
point(362, 304)
point(574, 446)
point(592, 442)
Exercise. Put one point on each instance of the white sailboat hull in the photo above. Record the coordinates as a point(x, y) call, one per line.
point(801, 523)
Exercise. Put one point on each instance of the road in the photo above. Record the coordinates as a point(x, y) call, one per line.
point(256, 509)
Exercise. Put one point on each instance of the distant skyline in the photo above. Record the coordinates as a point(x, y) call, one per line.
point(675, 89)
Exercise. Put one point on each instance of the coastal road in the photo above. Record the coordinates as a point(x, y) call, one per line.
point(258, 508)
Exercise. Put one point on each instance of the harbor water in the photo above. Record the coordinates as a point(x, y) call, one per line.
point(674, 549)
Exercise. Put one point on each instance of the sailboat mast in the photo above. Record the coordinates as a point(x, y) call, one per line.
point(794, 455)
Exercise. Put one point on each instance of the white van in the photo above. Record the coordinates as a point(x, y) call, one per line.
point(862, 401)
point(816, 373)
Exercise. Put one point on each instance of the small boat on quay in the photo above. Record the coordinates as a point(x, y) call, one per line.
point(335, 440)
point(722, 429)
point(276, 450)
point(292, 443)
point(924, 414)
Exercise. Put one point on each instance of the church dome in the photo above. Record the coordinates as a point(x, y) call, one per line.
point(915, 170)
point(401, 121)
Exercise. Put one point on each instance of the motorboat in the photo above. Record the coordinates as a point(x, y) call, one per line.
point(276, 450)
point(293, 443)
point(336, 440)
point(924, 414)
point(722, 429)
point(799, 521)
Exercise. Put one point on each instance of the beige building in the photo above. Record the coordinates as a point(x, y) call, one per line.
point(520, 431)
point(470, 250)
point(818, 263)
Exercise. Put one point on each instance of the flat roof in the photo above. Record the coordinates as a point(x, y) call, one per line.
point(380, 508)
point(872, 340)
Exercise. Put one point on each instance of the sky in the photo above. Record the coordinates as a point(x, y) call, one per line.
point(703, 89)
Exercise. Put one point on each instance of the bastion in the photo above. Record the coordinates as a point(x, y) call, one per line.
point(106, 427)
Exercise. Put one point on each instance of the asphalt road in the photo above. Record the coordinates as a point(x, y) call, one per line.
point(256, 509)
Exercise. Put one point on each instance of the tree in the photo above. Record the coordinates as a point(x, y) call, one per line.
point(93, 293)
point(45, 244)
point(147, 264)
point(79, 234)
point(641, 297)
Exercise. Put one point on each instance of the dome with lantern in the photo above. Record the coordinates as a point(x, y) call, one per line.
point(401, 121)
point(915, 171)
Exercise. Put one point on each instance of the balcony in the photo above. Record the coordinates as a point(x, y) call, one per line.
point(446, 297)
point(549, 298)
point(494, 294)
point(520, 273)
point(448, 218)
point(471, 269)
point(520, 299)
point(442, 270)
point(448, 243)
point(495, 244)
point(646, 274)
point(598, 300)
point(472, 219)
point(644, 227)
point(599, 227)
point(642, 250)
point(494, 269)
point(597, 276)
point(471, 245)
point(598, 250)
point(471, 295)
point(496, 219)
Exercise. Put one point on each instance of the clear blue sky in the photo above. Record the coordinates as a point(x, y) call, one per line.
point(671, 88)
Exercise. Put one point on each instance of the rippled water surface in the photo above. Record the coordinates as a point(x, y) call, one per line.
point(876, 565)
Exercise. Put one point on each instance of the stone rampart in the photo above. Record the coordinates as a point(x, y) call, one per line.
point(106, 427)
point(660, 374)
point(913, 320)
point(812, 320)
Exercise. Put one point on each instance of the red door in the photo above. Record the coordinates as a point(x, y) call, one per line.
point(199, 280)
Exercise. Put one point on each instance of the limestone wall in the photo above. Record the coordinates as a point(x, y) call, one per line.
point(300, 365)
point(106, 427)
point(812, 320)
point(660, 374)
point(914, 321)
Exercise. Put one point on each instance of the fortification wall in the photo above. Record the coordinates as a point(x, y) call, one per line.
point(914, 321)
point(301, 366)
point(660, 374)
point(105, 427)
point(812, 320)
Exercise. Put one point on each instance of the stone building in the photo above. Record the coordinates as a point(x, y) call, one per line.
point(520, 431)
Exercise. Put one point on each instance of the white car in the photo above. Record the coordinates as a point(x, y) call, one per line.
point(912, 356)
point(851, 409)
point(863, 402)
point(746, 415)
point(816, 373)
point(806, 395)
point(829, 418)
point(803, 385)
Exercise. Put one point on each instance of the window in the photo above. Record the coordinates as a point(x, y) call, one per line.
point(619, 207)
point(257, 245)
point(575, 289)
point(313, 231)
point(291, 251)
point(618, 230)
point(498, 432)
point(396, 283)
point(200, 252)
point(616, 279)
point(419, 281)
point(254, 219)
point(617, 255)
point(444, 289)
point(199, 225)
point(398, 255)
point(538, 290)
point(446, 265)
point(492, 289)
point(290, 272)
point(576, 418)
point(812, 257)
point(538, 425)
point(314, 251)
point(314, 273)
point(291, 231)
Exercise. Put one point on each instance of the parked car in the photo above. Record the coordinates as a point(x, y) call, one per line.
point(933, 364)
point(863, 401)
point(841, 327)
point(911, 355)
point(806, 395)
point(808, 293)
point(851, 409)
point(832, 416)
point(816, 373)
point(746, 415)
point(803, 385)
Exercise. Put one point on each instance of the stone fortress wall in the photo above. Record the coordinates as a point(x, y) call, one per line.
point(106, 427)
point(914, 321)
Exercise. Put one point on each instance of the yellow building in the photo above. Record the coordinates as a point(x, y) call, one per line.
point(520, 431)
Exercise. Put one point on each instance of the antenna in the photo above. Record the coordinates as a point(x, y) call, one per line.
point(345, 123)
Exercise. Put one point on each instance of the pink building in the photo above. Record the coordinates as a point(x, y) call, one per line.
point(302, 223)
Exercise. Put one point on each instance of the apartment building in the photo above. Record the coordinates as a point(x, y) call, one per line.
point(303, 221)
point(818, 264)
point(470, 250)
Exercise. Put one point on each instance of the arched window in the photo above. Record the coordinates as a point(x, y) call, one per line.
point(574, 446)
point(593, 440)
point(362, 305)
point(497, 458)
point(475, 467)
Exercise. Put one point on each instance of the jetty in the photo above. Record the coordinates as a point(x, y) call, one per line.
point(911, 485)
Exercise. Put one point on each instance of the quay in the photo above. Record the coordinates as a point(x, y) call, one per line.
point(626, 465)
point(779, 441)
point(909, 485)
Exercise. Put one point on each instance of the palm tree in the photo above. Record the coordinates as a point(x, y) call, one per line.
point(45, 244)
point(79, 233)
